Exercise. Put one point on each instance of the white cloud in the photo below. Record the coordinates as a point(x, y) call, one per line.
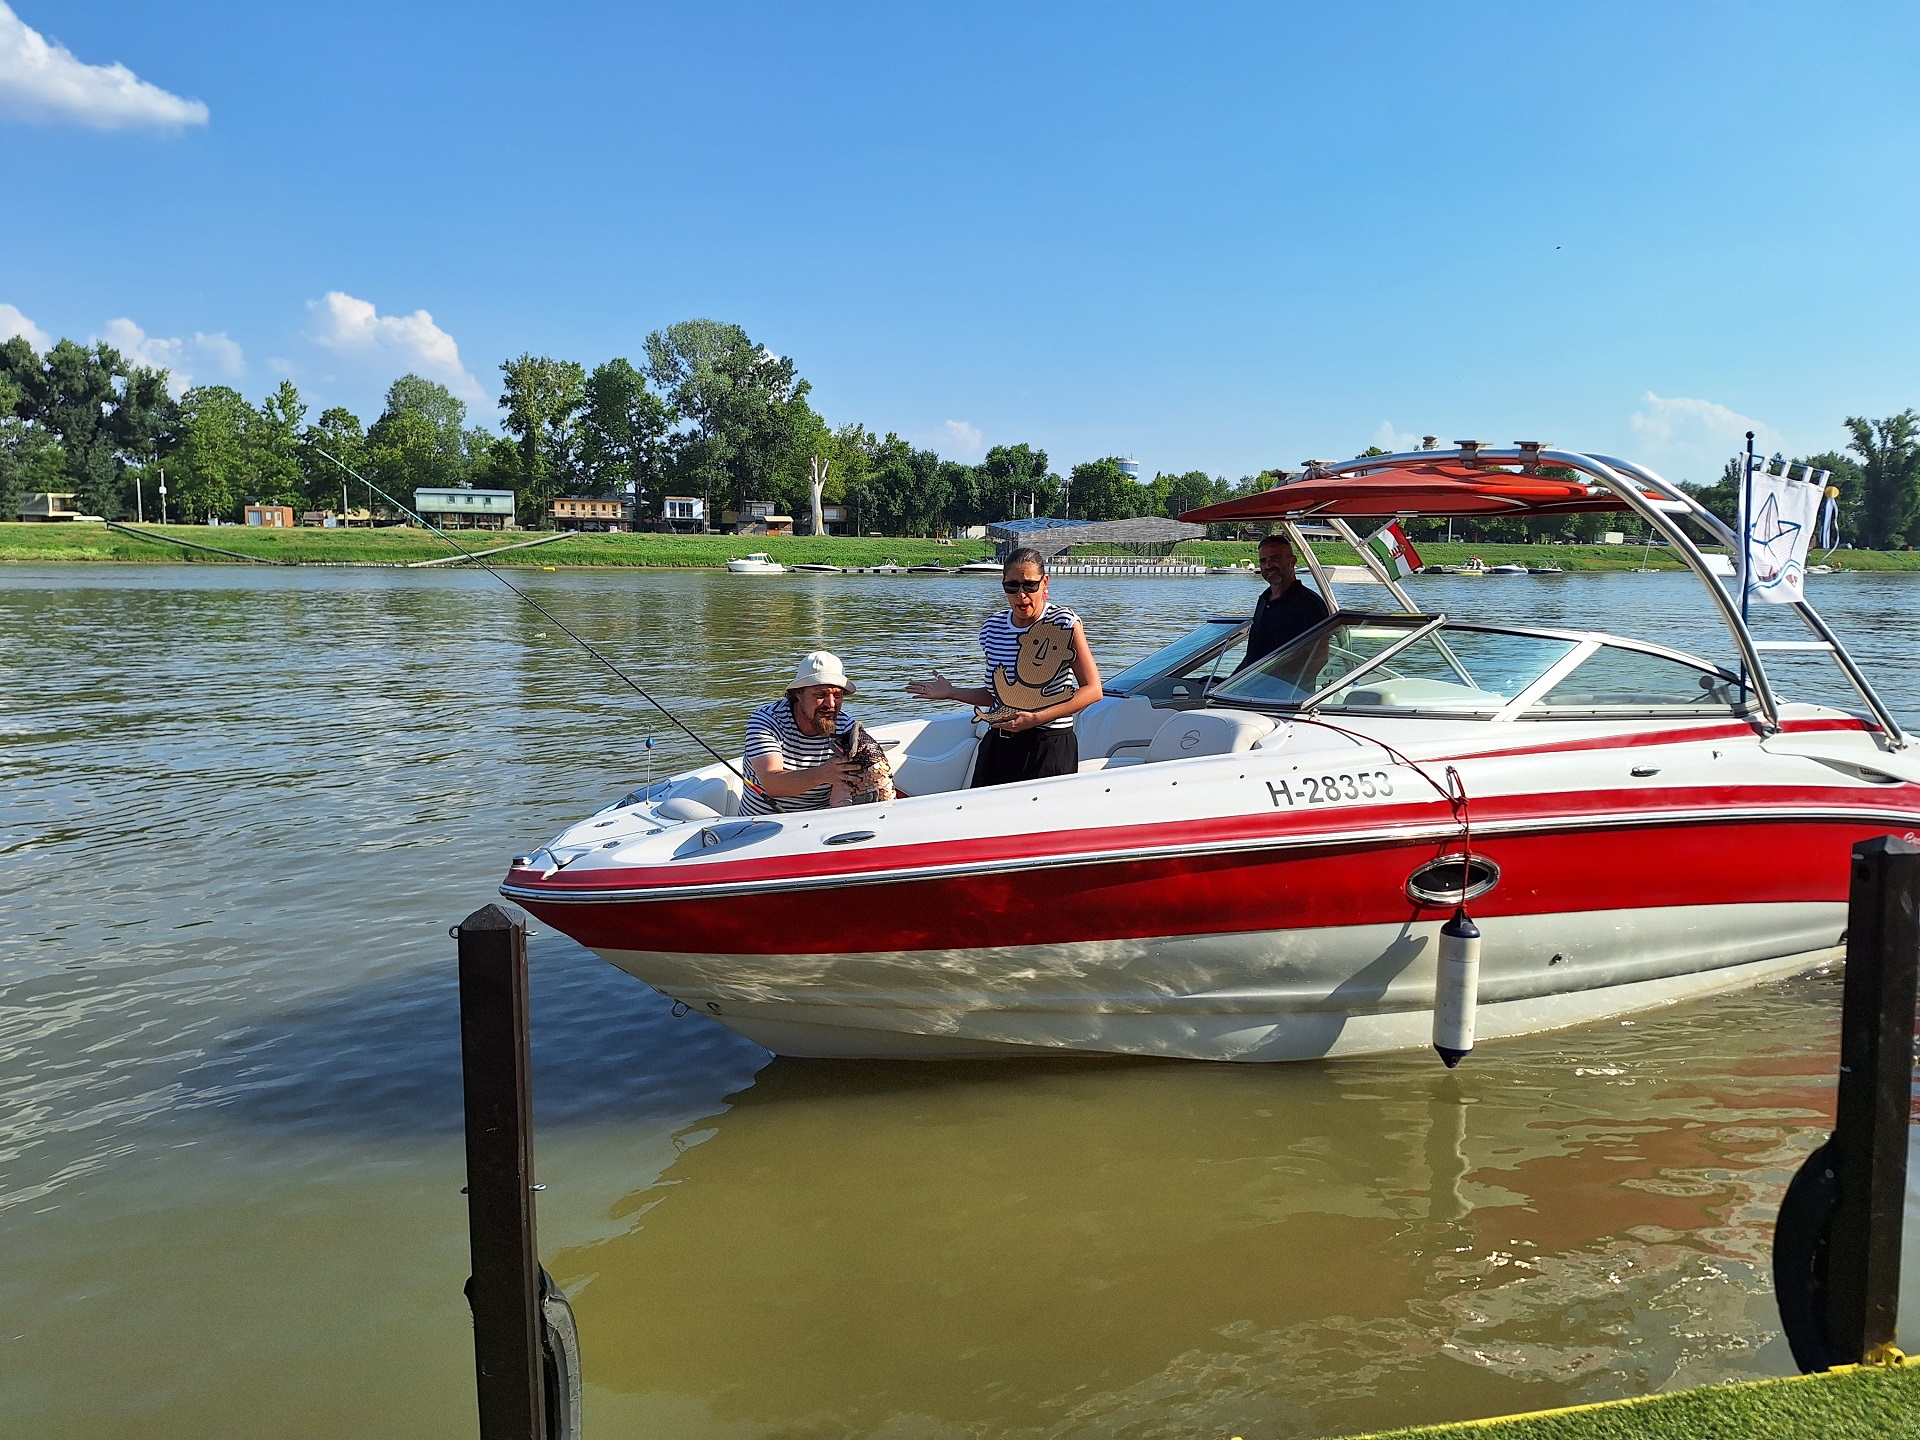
point(413, 342)
point(13, 323)
point(965, 438)
point(181, 359)
point(1696, 437)
point(41, 80)
point(1388, 438)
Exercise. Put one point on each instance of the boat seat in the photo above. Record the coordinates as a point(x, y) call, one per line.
point(1207, 732)
point(1116, 730)
point(936, 758)
point(719, 793)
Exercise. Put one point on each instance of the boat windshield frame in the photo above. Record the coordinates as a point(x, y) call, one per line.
point(1230, 628)
point(1659, 503)
point(1585, 644)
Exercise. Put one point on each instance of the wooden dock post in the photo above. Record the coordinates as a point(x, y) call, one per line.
point(1837, 1242)
point(497, 1069)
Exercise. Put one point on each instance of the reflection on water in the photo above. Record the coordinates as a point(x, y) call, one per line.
point(241, 808)
point(1099, 1248)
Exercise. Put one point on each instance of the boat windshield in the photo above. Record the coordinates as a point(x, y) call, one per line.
point(1201, 647)
point(1403, 663)
point(1421, 664)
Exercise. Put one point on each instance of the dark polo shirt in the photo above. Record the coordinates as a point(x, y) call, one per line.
point(1275, 622)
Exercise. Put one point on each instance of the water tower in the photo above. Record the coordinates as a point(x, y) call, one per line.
point(1131, 469)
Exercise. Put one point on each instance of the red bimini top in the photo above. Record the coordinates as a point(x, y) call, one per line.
point(1444, 487)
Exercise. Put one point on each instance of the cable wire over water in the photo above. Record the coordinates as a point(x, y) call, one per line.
point(546, 614)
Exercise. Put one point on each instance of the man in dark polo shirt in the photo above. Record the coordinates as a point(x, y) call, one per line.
point(1286, 608)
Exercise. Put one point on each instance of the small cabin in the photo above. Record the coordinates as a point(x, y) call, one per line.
point(279, 517)
point(48, 505)
point(585, 512)
point(684, 513)
point(457, 508)
point(758, 517)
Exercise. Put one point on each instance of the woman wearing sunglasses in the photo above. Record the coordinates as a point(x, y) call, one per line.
point(1037, 680)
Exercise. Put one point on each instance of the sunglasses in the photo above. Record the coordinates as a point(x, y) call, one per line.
point(1021, 587)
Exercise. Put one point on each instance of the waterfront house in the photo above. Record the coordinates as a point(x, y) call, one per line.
point(276, 516)
point(684, 513)
point(47, 505)
point(760, 517)
point(456, 508)
point(579, 512)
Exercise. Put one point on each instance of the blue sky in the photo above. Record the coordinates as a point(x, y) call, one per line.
point(1210, 236)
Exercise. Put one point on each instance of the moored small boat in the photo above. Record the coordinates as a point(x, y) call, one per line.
point(758, 563)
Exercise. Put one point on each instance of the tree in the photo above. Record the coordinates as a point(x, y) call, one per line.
point(418, 441)
point(623, 431)
point(272, 447)
point(1192, 490)
point(1015, 481)
point(30, 460)
point(207, 473)
point(542, 397)
point(1101, 490)
point(749, 430)
point(1889, 452)
point(336, 437)
point(82, 388)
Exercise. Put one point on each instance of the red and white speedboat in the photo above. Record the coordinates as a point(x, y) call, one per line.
point(1256, 866)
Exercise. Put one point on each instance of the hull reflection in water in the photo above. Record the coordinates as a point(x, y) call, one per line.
point(1124, 1247)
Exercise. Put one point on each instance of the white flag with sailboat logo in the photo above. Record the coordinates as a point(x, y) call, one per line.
point(1781, 516)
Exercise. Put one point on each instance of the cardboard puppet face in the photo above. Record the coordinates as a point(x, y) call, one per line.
point(1045, 651)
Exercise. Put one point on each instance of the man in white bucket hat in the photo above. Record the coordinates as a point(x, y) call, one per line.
point(794, 759)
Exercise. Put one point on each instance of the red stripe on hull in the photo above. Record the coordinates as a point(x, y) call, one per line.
point(1739, 804)
point(1617, 868)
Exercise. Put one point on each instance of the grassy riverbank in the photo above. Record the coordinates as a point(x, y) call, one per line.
point(72, 541)
point(43, 544)
point(1869, 1403)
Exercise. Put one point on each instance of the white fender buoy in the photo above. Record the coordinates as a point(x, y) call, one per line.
point(1456, 988)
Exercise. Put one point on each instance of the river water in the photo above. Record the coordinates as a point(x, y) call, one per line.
point(243, 805)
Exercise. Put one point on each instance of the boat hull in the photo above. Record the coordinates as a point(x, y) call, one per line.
point(1292, 953)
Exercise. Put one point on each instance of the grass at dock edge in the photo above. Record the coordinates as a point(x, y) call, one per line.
point(1853, 1403)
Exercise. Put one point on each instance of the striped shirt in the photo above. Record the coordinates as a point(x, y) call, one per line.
point(772, 730)
point(1000, 643)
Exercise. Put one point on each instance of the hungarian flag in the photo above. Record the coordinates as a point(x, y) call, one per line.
point(1391, 547)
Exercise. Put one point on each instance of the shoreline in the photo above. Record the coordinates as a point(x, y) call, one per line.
point(73, 542)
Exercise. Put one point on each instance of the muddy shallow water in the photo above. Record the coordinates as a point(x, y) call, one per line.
point(242, 807)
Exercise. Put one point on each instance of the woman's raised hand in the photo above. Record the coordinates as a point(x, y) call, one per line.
point(938, 688)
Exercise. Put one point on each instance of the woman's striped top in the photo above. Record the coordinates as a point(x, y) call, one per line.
point(1000, 643)
point(772, 730)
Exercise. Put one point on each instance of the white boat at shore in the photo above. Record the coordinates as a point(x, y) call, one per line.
point(758, 563)
point(1261, 863)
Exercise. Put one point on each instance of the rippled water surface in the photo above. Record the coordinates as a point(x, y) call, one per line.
point(242, 806)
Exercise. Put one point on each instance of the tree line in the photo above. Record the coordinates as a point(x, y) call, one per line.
point(706, 412)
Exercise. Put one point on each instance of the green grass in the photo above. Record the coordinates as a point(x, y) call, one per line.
point(1869, 1403)
point(40, 544)
point(1568, 557)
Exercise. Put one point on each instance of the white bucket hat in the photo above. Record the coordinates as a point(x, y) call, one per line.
point(821, 667)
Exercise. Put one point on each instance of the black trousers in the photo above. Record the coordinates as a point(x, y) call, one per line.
point(1030, 755)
